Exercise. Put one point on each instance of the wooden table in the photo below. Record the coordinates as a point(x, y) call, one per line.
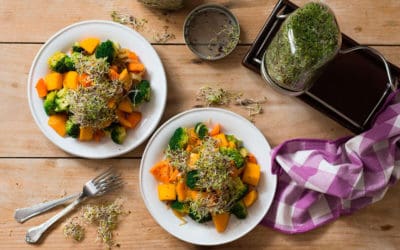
point(32, 169)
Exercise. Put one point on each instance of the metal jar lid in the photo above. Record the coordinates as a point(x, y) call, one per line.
point(211, 31)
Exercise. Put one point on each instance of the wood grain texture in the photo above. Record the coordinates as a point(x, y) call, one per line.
point(367, 21)
point(35, 180)
point(32, 169)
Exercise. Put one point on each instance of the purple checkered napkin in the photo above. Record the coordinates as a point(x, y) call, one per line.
point(319, 180)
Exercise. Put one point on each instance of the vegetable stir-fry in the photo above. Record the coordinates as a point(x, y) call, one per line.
point(207, 175)
point(94, 90)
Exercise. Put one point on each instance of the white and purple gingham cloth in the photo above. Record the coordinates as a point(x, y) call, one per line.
point(320, 180)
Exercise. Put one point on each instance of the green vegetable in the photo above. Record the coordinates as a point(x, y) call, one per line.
point(199, 217)
point(180, 207)
point(240, 188)
point(108, 50)
point(239, 210)
point(72, 129)
point(77, 48)
point(118, 134)
point(307, 39)
point(49, 103)
point(201, 130)
point(233, 155)
point(60, 62)
point(140, 93)
point(179, 139)
point(192, 177)
point(61, 101)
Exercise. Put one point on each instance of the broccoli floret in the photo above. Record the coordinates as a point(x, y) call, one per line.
point(198, 217)
point(201, 130)
point(140, 93)
point(72, 129)
point(118, 134)
point(180, 207)
point(107, 49)
point(61, 101)
point(49, 103)
point(60, 62)
point(234, 155)
point(239, 210)
point(77, 48)
point(192, 177)
point(240, 188)
point(179, 139)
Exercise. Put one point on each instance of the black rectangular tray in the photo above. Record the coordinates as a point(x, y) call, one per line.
point(352, 87)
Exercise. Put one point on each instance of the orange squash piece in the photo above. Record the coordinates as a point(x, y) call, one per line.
point(57, 122)
point(84, 80)
point(215, 130)
point(85, 134)
point(251, 173)
point(134, 118)
point(70, 80)
point(89, 44)
point(135, 67)
point(181, 191)
point(113, 74)
point(125, 105)
point(54, 81)
point(220, 221)
point(166, 192)
point(250, 198)
point(121, 117)
point(161, 171)
point(41, 88)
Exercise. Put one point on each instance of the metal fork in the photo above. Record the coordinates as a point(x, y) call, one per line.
point(105, 182)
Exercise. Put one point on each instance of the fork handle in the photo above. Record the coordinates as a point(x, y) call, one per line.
point(34, 234)
point(23, 214)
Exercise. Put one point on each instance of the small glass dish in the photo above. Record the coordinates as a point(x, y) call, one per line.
point(211, 31)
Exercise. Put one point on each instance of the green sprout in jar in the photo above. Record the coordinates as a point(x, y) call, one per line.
point(307, 39)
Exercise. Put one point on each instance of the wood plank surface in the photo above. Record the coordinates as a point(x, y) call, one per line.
point(32, 169)
point(35, 180)
point(367, 21)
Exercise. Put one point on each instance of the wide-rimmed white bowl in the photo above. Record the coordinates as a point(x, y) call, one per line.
point(127, 38)
point(193, 232)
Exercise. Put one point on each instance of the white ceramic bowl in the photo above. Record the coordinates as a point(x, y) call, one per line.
point(193, 232)
point(127, 38)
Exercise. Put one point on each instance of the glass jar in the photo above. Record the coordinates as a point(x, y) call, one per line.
point(307, 40)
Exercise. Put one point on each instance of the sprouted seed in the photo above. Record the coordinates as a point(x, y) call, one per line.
point(164, 36)
point(226, 39)
point(74, 230)
point(105, 216)
point(221, 97)
point(126, 19)
point(218, 96)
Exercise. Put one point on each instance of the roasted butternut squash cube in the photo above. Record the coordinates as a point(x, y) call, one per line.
point(250, 198)
point(71, 80)
point(89, 44)
point(57, 122)
point(220, 221)
point(166, 192)
point(53, 81)
point(221, 138)
point(251, 173)
point(85, 134)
